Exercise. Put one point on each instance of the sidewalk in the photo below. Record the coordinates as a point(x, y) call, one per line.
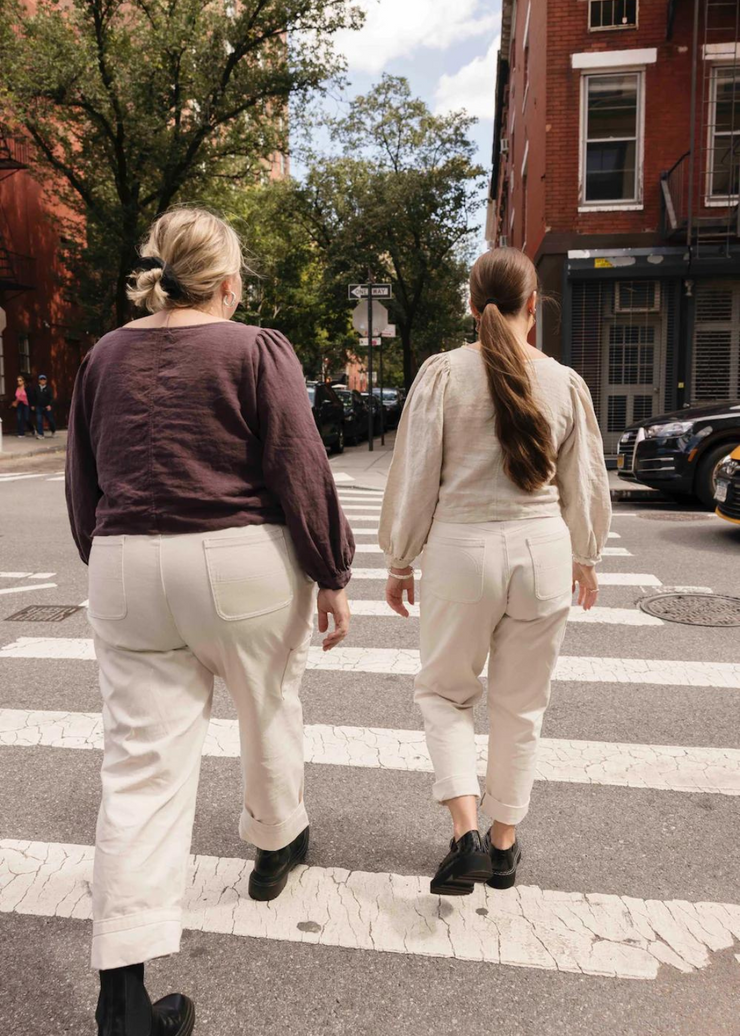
point(12, 448)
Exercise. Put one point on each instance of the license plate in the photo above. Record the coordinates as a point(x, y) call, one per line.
point(720, 493)
point(620, 460)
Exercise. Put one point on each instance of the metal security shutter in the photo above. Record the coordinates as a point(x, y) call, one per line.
point(589, 301)
point(715, 372)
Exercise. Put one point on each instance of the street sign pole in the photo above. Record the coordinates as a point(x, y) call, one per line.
point(370, 428)
point(380, 379)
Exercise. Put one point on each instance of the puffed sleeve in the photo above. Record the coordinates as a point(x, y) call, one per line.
point(296, 468)
point(81, 483)
point(582, 478)
point(412, 490)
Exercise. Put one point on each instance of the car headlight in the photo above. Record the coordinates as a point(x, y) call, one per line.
point(729, 466)
point(671, 430)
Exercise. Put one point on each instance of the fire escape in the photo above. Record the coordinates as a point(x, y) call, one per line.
point(17, 272)
point(700, 191)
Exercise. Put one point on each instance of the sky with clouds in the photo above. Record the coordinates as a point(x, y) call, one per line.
point(446, 49)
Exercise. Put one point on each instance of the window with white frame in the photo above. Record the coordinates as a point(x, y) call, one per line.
point(612, 14)
point(724, 130)
point(611, 138)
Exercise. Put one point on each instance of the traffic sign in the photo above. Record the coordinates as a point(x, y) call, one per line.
point(379, 291)
point(360, 317)
point(389, 332)
point(366, 341)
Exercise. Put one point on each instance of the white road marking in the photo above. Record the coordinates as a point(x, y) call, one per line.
point(366, 495)
point(342, 476)
point(662, 767)
point(609, 616)
point(405, 662)
point(641, 579)
point(15, 575)
point(529, 927)
point(26, 589)
point(17, 478)
point(361, 517)
point(370, 530)
point(42, 575)
point(57, 478)
point(351, 508)
point(84, 604)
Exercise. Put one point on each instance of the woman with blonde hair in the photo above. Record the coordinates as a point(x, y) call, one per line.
point(498, 475)
point(200, 494)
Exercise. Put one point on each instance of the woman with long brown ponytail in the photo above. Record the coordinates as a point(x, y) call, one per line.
point(498, 476)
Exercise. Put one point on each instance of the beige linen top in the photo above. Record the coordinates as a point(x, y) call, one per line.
point(448, 464)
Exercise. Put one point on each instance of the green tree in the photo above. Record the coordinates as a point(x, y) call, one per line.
point(400, 201)
point(135, 104)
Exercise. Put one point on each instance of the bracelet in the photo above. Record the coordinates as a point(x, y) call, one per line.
point(394, 575)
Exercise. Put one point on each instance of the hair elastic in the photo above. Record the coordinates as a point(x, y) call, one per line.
point(170, 284)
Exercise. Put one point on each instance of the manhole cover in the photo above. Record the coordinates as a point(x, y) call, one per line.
point(675, 516)
point(694, 609)
point(44, 613)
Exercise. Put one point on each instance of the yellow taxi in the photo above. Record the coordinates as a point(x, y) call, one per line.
point(727, 487)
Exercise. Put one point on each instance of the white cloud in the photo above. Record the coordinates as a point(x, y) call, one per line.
point(397, 28)
point(472, 87)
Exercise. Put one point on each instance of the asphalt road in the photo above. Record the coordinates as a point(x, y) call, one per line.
point(603, 843)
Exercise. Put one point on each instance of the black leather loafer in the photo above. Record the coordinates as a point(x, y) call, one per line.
point(465, 863)
point(173, 1015)
point(504, 863)
point(271, 868)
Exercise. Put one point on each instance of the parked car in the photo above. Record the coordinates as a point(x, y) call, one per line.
point(376, 410)
point(355, 414)
point(328, 413)
point(393, 400)
point(727, 492)
point(680, 453)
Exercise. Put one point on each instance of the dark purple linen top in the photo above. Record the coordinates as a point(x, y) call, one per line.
point(191, 429)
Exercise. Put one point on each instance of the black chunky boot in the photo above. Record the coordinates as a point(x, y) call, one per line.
point(504, 863)
point(124, 1007)
point(272, 867)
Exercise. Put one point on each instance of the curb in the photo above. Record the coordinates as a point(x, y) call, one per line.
point(33, 452)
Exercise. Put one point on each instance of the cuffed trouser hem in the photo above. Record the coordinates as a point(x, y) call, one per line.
point(272, 836)
point(136, 939)
point(500, 811)
point(455, 786)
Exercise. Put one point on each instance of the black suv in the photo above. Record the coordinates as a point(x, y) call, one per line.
point(328, 413)
point(393, 400)
point(679, 453)
point(356, 417)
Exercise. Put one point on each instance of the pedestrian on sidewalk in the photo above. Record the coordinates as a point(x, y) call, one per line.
point(200, 494)
point(499, 477)
point(44, 405)
point(32, 394)
point(21, 407)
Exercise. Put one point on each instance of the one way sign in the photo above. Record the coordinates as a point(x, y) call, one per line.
point(376, 291)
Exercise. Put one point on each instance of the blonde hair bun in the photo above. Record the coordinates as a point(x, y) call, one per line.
point(195, 251)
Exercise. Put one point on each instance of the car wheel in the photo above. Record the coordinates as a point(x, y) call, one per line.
point(339, 448)
point(706, 476)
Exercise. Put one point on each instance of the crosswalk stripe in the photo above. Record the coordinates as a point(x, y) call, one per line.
point(27, 589)
point(57, 478)
point(15, 575)
point(405, 662)
point(17, 478)
point(608, 552)
point(42, 575)
point(661, 767)
point(529, 927)
point(374, 528)
point(608, 616)
point(360, 496)
point(351, 508)
point(605, 578)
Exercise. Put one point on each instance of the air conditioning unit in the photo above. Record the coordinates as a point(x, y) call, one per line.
point(637, 297)
point(504, 145)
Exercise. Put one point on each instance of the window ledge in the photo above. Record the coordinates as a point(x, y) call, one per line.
point(725, 202)
point(615, 206)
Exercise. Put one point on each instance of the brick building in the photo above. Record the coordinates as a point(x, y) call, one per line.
point(616, 168)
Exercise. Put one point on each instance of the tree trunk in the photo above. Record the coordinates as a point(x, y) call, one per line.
point(409, 359)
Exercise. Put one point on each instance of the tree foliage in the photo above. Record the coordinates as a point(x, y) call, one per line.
point(135, 104)
point(400, 201)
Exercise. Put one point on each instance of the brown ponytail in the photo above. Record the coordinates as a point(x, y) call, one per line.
point(501, 282)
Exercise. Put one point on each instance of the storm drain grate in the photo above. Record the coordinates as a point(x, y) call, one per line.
point(675, 516)
point(694, 609)
point(44, 613)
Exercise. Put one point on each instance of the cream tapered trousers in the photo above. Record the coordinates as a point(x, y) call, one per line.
point(169, 613)
point(502, 590)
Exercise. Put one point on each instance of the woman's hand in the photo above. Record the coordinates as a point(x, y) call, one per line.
point(333, 602)
point(588, 584)
point(395, 588)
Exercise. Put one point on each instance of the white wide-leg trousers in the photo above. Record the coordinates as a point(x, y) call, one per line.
point(169, 613)
point(502, 590)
